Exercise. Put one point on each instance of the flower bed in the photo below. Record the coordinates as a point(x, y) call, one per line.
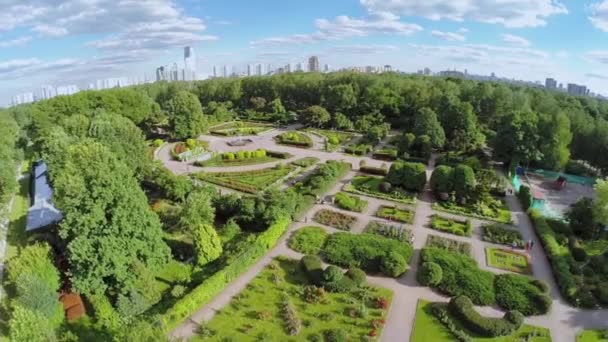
point(371, 186)
point(297, 139)
point(500, 214)
point(238, 158)
point(390, 231)
point(507, 260)
point(248, 181)
point(308, 240)
point(448, 244)
point(497, 234)
point(335, 219)
point(395, 214)
point(349, 202)
point(456, 227)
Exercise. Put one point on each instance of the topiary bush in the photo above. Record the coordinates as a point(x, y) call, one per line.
point(525, 197)
point(462, 308)
point(430, 274)
point(521, 293)
point(393, 265)
point(357, 275)
point(410, 176)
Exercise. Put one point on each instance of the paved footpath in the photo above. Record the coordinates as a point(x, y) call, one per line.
point(563, 320)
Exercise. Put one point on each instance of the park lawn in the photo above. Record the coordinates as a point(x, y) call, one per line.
point(590, 336)
point(396, 214)
point(218, 161)
point(16, 235)
point(508, 260)
point(370, 186)
point(447, 225)
point(428, 329)
point(502, 214)
point(248, 181)
point(239, 320)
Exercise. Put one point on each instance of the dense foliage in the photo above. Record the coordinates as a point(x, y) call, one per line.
point(497, 234)
point(350, 202)
point(462, 308)
point(410, 176)
point(308, 240)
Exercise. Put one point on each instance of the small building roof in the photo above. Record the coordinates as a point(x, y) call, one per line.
point(42, 212)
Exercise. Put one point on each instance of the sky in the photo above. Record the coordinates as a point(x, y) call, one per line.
point(59, 42)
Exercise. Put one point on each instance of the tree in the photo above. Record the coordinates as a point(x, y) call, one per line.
point(276, 106)
point(410, 176)
point(464, 181)
point(33, 294)
point(341, 122)
point(35, 260)
point(406, 143)
point(517, 137)
point(29, 326)
point(186, 115)
point(107, 223)
point(582, 219)
point(316, 116)
point(426, 123)
point(197, 210)
point(555, 139)
point(377, 132)
point(600, 209)
point(340, 98)
point(442, 179)
point(207, 244)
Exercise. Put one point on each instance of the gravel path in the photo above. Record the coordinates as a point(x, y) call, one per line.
point(563, 320)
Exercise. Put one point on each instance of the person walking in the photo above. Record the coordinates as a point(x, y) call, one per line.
point(531, 244)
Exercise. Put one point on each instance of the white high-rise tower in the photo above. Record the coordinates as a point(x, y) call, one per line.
point(189, 64)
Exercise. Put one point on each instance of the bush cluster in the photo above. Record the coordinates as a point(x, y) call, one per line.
point(332, 279)
point(462, 308)
point(440, 311)
point(497, 234)
point(305, 162)
point(324, 177)
point(371, 253)
point(350, 202)
point(376, 187)
point(371, 170)
point(297, 139)
point(389, 231)
point(359, 149)
point(430, 274)
point(525, 295)
point(525, 197)
point(410, 176)
point(308, 240)
point(335, 219)
point(448, 244)
point(395, 214)
point(386, 154)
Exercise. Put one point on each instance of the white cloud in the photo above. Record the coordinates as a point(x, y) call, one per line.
point(597, 76)
point(449, 36)
point(50, 31)
point(463, 30)
point(599, 15)
point(597, 56)
point(512, 13)
point(344, 27)
point(15, 42)
point(515, 40)
point(362, 49)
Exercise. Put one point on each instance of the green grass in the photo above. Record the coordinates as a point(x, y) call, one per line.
point(428, 329)
point(447, 225)
point(590, 336)
point(396, 214)
point(16, 235)
point(370, 186)
point(218, 161)
point(239, 321)
point(501, 214)
point(507, 260)
point(308, 240)
point(248, 181)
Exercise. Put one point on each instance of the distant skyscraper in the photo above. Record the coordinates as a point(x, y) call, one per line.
point(259, 69)
point(550, 83)
point(313, 64)
point(326, 68)
point(249, 69)
point(388, 68)
point(577, 90)
point(189, 73)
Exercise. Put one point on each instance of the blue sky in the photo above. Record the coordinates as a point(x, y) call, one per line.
point(61, 42)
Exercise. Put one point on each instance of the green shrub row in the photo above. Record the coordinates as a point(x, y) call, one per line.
point(359, 149)
point(213, 285)
point(372, 170)
point(350, 202)
point(440, 311)
point(462, 308)
point(378, 188)
point(525, 295)
point(297, 139)
point(461, 228)
point(448, 244)
point(389, 154)
point(372, 253)
point(495, 233)
point(240, 155)
point(279, 155)
point(305, 162)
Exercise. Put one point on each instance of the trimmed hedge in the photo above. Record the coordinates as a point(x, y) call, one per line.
point(279, 155)
point(371, 170)
point(462, 308)
point(358, 150)
point(214, 284)
point(525, 197)
point(371, 253)
point(297, 139)
point(410, 176)
point(528, 296)
point(350, 202)
point(448, 225)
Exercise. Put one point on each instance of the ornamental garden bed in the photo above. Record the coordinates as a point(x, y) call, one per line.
point(499, 214)
point(335, 219)
point(373, 186)
point(429, 328)
point(349, 202)
point(391, 231)
point(448, 244)
point(283, 304)
point(240, 128)
point(508, 260)
point(396, 214)
point(239, 158)
point(452, 226)
point(333, 139)
point(190, 148)
point(248, 181)
point(495, 233)
point(297, 139)
point(388, 154)
point(308, 240)
point(358, 149)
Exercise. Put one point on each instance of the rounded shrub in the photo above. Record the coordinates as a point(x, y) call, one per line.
point(229, 156)
point(430, 274)
point(240, 155)
point(332, 274)
point(357, 276)
point(335, 335)
point(393, 264)
point(333, 140)
point(385, 187)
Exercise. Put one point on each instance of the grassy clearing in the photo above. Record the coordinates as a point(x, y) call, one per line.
point(248, 181)
point(508, 260)
point(428, 329)
point(255, 313)
point(396, 214)
point(447, 225)
point(370, 186)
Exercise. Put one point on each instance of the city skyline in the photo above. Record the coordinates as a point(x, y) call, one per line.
point(525, 39)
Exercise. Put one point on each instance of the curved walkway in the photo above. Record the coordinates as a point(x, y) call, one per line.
point(563, 321)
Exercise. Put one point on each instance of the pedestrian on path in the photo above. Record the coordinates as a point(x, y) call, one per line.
point(514, 245)
point(531, 244)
